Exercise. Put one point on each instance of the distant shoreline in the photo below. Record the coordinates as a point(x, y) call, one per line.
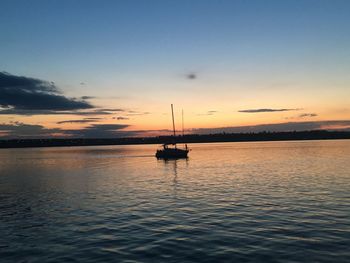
point(190, 138)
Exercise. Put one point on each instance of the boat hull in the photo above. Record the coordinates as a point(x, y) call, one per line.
point(171, 153)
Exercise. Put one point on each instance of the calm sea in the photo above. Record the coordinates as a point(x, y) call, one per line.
point(229, 202)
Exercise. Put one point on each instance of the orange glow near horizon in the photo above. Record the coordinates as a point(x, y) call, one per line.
point(203, 108)
point(213, 117)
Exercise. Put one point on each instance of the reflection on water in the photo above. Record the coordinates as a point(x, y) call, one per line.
point(265, 201)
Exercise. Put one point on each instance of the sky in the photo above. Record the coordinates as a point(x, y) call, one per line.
point(112, 68)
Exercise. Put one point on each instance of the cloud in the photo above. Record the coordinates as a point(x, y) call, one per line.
point(121, 118)
point(307, 115)
point(87, 97)
point(53, 112)
point(23, 94)
point(114, 110)
point(266, 110)
point(93, 118)
point(303, 115)
point(151, 133)
point(100, 131)
point(136, 113)
point(210, 112)
point(278, 127)
point(79, 121)
point(21, 130)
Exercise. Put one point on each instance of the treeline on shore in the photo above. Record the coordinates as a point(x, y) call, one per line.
point(189, 138)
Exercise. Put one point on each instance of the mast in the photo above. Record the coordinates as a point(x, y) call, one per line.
point(172, 113)
point(183, 123)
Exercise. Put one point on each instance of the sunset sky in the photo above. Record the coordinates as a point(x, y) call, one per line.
point(112, 68)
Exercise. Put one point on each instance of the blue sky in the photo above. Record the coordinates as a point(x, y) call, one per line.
point(276, 53)
point(141, 36)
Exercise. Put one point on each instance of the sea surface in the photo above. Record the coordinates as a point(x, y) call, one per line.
point(228, 202)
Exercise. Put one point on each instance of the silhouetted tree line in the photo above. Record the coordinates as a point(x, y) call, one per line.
point(189, 138)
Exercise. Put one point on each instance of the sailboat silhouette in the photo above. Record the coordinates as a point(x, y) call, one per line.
point(172, 152)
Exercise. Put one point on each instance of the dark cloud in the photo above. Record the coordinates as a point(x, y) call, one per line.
point(121, 118)
point(19, 93)
point(78, 121)
point(21, 130)
point(307, 115)
point(279, 127)
point(87, 97)
point(53, 112)
point(266, 110)
point(101, 131)
point(98, 112)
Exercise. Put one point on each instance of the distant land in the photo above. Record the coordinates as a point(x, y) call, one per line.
point(190, 138)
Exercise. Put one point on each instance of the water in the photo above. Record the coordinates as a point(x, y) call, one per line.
point(229, 202)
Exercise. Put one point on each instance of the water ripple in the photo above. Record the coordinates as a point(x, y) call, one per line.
point(230, 202)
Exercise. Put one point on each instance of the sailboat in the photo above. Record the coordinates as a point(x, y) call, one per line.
point(170, 150)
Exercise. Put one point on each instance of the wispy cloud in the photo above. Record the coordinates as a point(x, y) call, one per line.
point(137, 113)
point(304, 115)
point(210, 112)
point(78, 121)
point(96, 111)
point(113, 109)
point(93, 118)
point(87, 97)
point(121, 118)
point(266, 110)
point(279, 127)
